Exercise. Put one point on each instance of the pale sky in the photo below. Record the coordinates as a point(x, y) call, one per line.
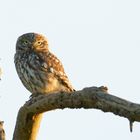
point(98, 42)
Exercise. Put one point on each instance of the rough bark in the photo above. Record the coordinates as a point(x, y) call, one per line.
point(28, 118)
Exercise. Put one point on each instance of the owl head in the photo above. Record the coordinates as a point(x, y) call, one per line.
point(32, 42)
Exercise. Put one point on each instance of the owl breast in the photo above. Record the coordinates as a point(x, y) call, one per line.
point(35, 74)
point(30, 72)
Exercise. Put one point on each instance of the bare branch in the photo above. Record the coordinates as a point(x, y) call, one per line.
point(87, 98)
point(2, 131)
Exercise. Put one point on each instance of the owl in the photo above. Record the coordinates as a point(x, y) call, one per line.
point(40, 71)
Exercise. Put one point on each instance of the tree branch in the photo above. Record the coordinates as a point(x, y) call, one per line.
point(29, 118)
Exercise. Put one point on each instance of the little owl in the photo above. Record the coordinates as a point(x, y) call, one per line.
point(40, 71)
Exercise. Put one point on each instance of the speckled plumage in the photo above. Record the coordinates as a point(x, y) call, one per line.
point(39, 70)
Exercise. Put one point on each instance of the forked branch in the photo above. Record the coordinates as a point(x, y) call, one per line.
point(30, 114)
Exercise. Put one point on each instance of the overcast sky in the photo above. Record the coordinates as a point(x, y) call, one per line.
point(98, 42)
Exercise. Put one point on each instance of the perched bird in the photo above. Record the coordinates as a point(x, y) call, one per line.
point(2, 132)
point(40, 71)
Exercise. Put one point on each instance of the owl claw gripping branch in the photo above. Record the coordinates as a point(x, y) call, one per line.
point(40, 71)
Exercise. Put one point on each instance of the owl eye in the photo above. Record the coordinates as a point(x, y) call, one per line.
point(25, 42)
point(39, 42)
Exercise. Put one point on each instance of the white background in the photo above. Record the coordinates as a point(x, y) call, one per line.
point(98, 42)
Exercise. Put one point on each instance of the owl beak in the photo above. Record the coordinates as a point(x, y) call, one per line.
point(33, 46)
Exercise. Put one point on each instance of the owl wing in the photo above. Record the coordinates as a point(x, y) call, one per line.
point(54, 65)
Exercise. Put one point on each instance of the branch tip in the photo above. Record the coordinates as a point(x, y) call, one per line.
point(131, 125)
